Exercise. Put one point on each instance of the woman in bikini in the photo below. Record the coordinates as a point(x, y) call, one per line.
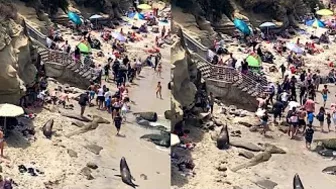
point(158, 90)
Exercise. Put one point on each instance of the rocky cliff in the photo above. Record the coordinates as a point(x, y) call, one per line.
point(185, 79)
point(16, 60)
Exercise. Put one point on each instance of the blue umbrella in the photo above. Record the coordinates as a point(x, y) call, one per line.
point(315, 23)
point(242, 26)
point(118, 36)
point(136, 15)
point(75, 18)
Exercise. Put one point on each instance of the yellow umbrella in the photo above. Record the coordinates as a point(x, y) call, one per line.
point(324, 12)
point(144, 6)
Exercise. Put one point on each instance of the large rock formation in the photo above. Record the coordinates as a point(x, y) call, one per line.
point(186, 80)
point(16, 65)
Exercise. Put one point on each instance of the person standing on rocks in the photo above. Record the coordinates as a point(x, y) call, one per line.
point(83, 100)
point(211, 102)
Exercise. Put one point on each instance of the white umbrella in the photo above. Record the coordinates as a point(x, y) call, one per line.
point(267, 25)
point(174, 140)
point(10, 110)
point(96, 16)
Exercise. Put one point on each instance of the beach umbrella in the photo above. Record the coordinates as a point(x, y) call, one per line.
point(96, 16)
point(84, 47)
point(144, 6)
point(316, 23)
point(324, 12)
point(295, 48)
point(253, 61)
point(10, 110)
point(174, 139)
point(136, 15)
point(267, 25)
point(75, 18)
point(242, 26)
point(119, 36)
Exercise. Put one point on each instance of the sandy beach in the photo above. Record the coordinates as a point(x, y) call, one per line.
point(147, 162)
point(281, 168)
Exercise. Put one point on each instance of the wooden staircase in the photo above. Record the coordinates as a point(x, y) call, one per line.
point(253, 84)
point(51, 56)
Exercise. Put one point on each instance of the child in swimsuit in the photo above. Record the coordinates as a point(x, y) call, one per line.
point(158, 90)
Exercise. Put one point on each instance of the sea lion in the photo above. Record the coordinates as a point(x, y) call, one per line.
point(162, 139)
point(223, 140)
point(330, 170)
point(47, 128)
point(125, 173)
point(260, 158)
point(297, 184)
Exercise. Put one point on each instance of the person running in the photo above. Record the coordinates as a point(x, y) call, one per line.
point(83, 99)
point(309, 136)
point(117, 122)
point(321, 116)
point(325, 92)
point(158, 91)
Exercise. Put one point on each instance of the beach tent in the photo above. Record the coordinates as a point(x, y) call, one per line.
point(254, 61)
point(136, 15)
point(242, 26)
point(84, 47)
point(324, 12)
point(74, 18)
point(144, 6)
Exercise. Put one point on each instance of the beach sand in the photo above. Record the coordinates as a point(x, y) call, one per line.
point(142, 157)
point(281, 167)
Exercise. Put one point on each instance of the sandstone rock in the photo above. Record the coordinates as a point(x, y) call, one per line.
point(253, 129)
point(209, 125)
point(222, 167)
point(92, 165)
point(218, 122)
point(168, 114)
point(246, 154)
point(87, 173)
point(72, 153)
point(94, 148)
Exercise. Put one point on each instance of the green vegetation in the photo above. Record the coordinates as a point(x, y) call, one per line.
point(8, 10)
point(312, 4)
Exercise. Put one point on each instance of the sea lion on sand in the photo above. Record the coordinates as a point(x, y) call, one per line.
point(330, 170)
point(297, 184)
point(246, 145)
point(47, 128)
point(125, 173)
point(262, 157)
point(223, 138)
point(162, 139)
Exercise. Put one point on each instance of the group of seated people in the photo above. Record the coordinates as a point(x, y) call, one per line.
point(295, 59)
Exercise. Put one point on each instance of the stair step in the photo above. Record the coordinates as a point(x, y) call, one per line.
point(71, 65)
point(77, 71)
point(87, 73)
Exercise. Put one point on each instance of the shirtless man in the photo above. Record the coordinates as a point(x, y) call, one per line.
point(53, 95)
point(63, 98)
